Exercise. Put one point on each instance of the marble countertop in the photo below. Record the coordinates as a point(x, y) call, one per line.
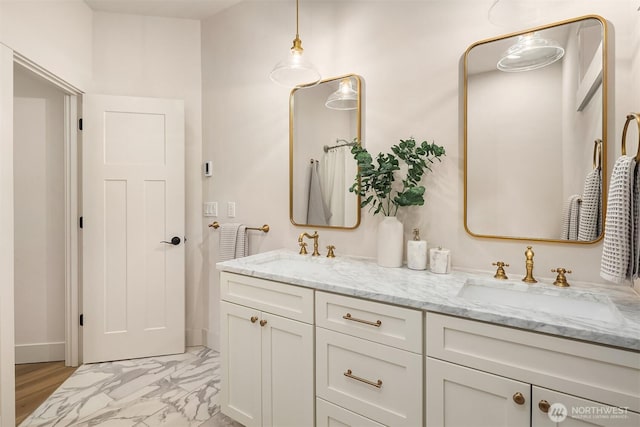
point(603, 314)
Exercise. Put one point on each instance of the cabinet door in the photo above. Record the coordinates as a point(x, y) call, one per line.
point(330, 415)
point(461, 397)
point(570, 411)
point(240, 353)
point(287, 372)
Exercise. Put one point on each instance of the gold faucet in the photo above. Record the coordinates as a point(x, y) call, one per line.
point(313, 236)
point(529, 266)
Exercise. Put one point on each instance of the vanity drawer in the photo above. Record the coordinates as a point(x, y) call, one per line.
point(385, 383)
point(289, 301)
point(387, 324)
point(596, 372)
point(330, 415)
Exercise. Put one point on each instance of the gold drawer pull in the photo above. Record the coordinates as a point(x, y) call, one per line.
point(254, 319)
point(518, 398)
point(544, 406)
point(263, 322)
point(350, 375)
point(377, 323)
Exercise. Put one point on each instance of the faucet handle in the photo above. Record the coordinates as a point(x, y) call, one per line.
point(303, 248)
point(561, 279)
point(500, 273)
point(330, 253)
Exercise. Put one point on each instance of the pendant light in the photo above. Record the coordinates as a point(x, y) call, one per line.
point(295, 70)
point(345, 98)
point(530, 52)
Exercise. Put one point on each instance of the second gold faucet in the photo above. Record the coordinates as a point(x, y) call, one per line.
point(303, 249)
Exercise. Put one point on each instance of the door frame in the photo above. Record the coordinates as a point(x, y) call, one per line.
point(8, 58)
point(71, 205)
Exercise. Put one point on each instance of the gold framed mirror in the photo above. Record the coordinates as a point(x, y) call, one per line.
point(532, 132)
point(324, 122)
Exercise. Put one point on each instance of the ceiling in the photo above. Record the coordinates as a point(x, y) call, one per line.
point(187, 9)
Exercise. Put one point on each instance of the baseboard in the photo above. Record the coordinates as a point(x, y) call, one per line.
point(40, 352)
point(195, 337)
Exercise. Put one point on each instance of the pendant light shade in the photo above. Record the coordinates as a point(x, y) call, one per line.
point(295, 70)
point(345, 98)
point(530, 52)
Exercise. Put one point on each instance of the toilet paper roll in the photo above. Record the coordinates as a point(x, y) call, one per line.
point(440, 260)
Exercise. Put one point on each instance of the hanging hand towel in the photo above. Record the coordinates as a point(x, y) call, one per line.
point(233, 241)
point(318, 212)
point(591, 207)
point(618, 229)
point(570, 217)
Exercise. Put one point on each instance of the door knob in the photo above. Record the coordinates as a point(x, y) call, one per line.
point(175, 241)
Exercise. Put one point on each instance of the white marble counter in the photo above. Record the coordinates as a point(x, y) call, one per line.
point(444, 293)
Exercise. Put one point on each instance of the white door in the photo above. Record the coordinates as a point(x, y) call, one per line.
point(133, 200)
point(287, 372)
point(457, 396)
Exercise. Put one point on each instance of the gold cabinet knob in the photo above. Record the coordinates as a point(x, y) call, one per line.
point(263, 322)
point(518, 398)
point(544, 406)
point(254, 319)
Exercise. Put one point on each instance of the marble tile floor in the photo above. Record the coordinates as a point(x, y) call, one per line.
point(176, 390)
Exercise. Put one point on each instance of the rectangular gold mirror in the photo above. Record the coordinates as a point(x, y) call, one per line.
point(324, 122)
point(535, 133)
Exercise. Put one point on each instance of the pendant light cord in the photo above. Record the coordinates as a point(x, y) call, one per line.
point(297, 24)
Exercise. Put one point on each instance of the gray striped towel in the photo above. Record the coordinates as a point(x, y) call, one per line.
point(618, 249)
point(591, 207)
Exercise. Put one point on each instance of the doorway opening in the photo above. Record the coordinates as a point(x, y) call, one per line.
point(45, 237)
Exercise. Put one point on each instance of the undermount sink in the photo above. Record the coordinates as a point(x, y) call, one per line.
point(296, 264)
point(561, 301)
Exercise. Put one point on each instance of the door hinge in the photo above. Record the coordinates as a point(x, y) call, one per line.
point(82, 320)
point(80, 124)
point(81, 222)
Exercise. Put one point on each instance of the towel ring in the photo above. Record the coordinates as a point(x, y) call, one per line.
point(597, 154)
point(624, 134)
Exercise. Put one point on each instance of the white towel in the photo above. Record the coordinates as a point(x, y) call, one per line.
point(618, 249)
point(318, 213)
point(591, 207)
point(233, 241)
point(570, 218)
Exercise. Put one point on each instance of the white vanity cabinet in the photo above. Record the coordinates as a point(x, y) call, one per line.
point(368, 363)
point(481, 374)
point(267, 352)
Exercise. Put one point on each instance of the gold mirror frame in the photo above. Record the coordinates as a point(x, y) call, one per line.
point(601, 146)
point(358, 87)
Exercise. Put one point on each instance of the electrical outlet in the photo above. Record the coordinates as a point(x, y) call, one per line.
point(231, 209)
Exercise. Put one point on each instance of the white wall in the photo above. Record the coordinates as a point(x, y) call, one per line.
point(409, 54)
point(160, 57)
point(39, 227)
point(54, 34)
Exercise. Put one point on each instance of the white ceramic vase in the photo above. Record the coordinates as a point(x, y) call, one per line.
point(390, 242)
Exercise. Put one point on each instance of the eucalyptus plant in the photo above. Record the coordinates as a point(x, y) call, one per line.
point(375, 181)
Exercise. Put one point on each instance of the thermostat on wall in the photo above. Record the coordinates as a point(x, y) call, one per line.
point(208, 168)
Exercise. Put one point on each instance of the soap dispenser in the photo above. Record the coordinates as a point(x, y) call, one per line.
point(417, 252)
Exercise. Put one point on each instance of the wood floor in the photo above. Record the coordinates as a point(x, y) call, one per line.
point(34, 384)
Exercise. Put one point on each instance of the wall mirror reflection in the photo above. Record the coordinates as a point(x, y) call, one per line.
point(535, 133)
point(324, 122)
